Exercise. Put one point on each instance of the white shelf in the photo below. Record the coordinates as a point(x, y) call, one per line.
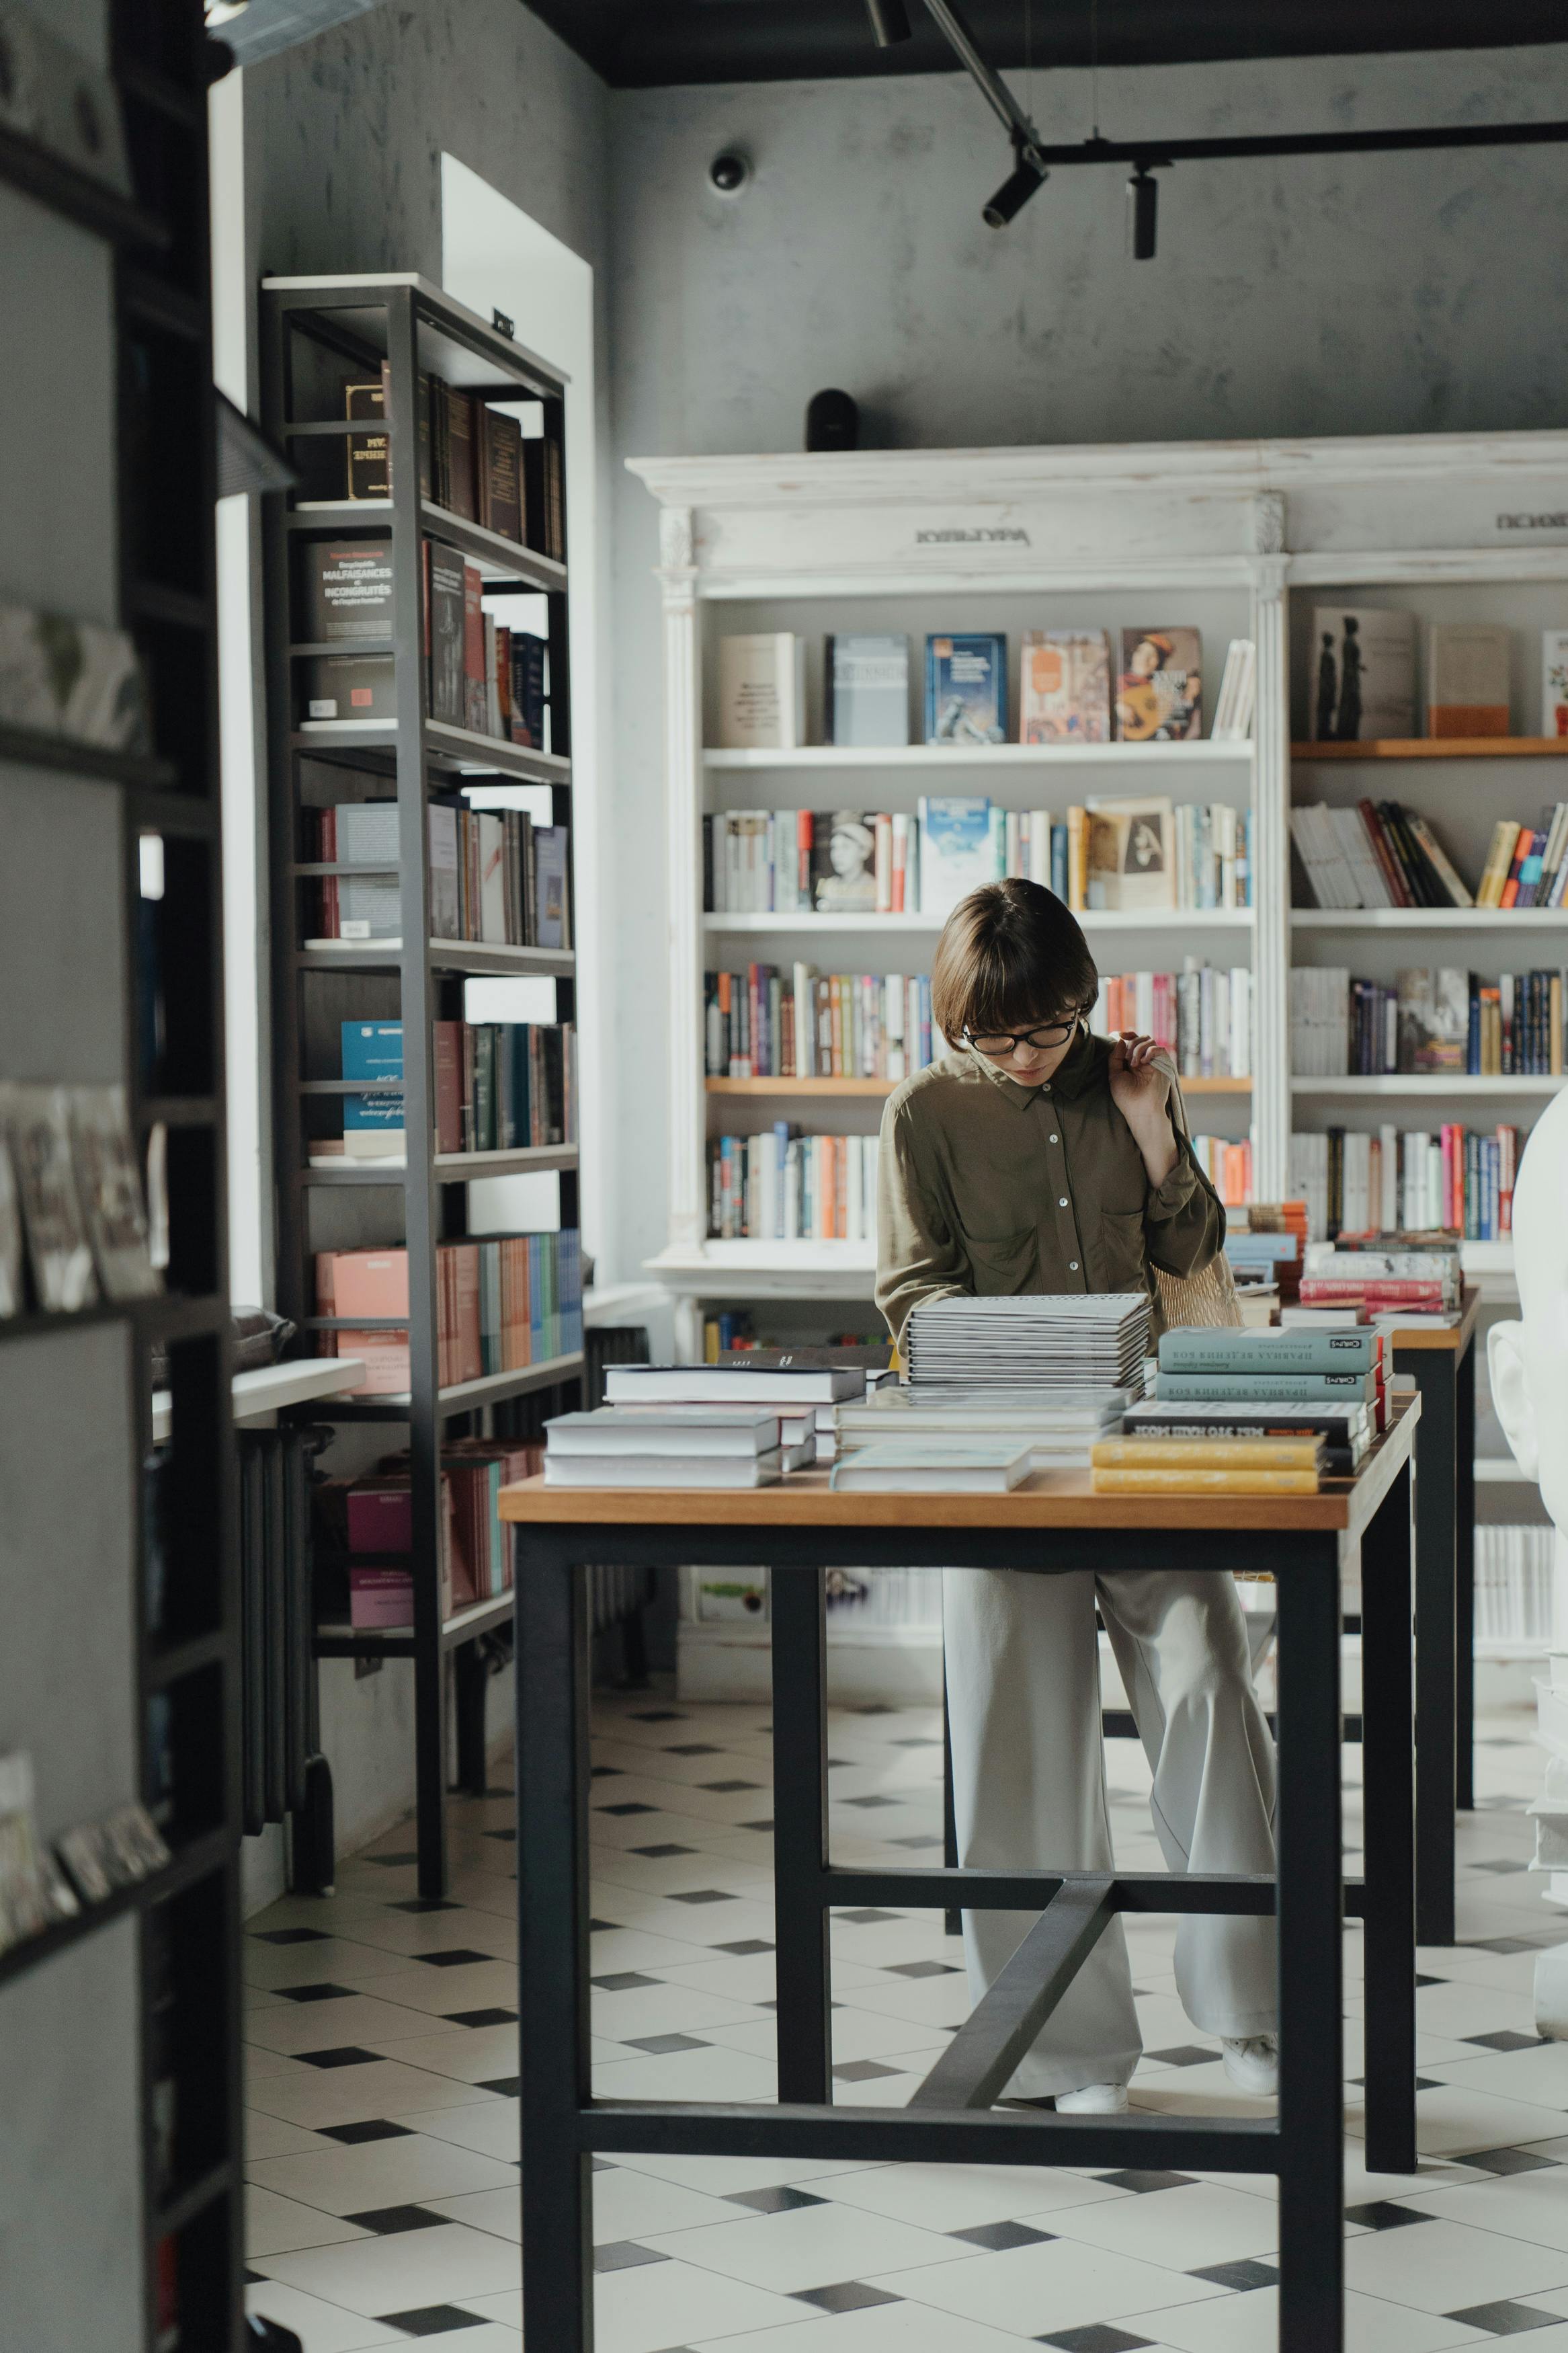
point(1496, 1471)
point(1440, 1086)
point(755, 1270)
point(621, 1303)
point(258, 1395)
point(1429, 919)
point(1203, 919)
point(983, 756)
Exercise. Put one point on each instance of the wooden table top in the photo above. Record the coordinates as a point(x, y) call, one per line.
point(1454, 1338)
point(1048, 1499)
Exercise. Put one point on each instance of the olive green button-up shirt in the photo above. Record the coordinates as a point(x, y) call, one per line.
point(987, 1189)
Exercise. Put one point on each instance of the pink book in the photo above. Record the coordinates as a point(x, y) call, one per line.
point(370, 1282)
point(469, 1362)
point(384, 1355)
point(381, 1598)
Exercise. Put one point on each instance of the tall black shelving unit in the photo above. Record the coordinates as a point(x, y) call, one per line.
point(317, 333)
point(180, 1498)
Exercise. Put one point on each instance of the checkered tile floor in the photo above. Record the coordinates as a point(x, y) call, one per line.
point(382, 2134)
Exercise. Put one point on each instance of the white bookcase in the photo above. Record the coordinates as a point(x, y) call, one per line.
point(1239, 539)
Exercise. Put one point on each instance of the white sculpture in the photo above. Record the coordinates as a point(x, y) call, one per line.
point(1528, 1365)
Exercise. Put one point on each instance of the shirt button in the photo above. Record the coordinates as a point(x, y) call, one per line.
point(1072, 1266)
point(1056, 1139)
point(1063, 1202)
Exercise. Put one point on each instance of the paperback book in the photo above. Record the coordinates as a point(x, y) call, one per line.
point(866, 682)
point(1159, 692)
point(966, 688)
point(1065, 692)
point(1365, 674)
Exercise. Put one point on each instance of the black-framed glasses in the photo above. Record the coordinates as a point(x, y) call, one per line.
point(1048, 1034)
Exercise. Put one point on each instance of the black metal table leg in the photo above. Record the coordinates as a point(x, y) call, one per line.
point(553, 1782)
point(1465, 1584)
point(1437, 1500)
point(1389, 1890)
point(952, 1919)
point(1310, 1895)
point(799, 1610)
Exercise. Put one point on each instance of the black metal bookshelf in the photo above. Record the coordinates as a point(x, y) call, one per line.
point(184, 1667)
point(317, 335)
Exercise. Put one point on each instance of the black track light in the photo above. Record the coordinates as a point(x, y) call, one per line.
point(890, 24)
point(1142, 214)
point(1014, 193)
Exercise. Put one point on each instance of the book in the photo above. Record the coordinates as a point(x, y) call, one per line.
point(460, 484)
point(347, 590)
point(445, 627)
point(1303, 1453)
point(1344, 1425)
point(77, 679)
point(843, 862)
point(1129, 865)
point(108, 1187)
point(866, 686)
point(1434, 1017)
point(12, 1243)
point(529, 701)
point(934, 1464)
point(544, 494)
point(957, 852)
point(1237, 697)
point(966, 688)
point(349, 686)
point(793, 1386)
point(1554, 682)
point(369, 454)
point(690, 1469)
point(499, 459)
point(37, 1124)
point(1201, 1480)
point(682, 1429)
point(1195, 1349)
point(552, 887)
point(762, 692)
point(1065, 687)
point(1364, 678)
point(1220, 1389)
point(1159, 690)
point(476, 712)
point(372, 1123)
point(1466, 679)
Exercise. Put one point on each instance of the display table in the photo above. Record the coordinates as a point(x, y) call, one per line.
point(1441, 1358)
point(799, 1529)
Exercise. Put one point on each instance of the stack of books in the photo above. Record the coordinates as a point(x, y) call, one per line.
point(1381, 1276)
point(737, 1425)
point(1251, 1412)
point(1208, 1466)
point(1066, 1341)
point(976, 1466)
point(1056, 1429)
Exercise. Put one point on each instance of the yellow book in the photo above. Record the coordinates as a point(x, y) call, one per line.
point(1205, 1453)
point(1500, 860)
point(1077, 858)
point(1175, 1482)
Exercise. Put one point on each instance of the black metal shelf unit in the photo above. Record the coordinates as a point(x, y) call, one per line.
point(179, 1499)
point(317, 335)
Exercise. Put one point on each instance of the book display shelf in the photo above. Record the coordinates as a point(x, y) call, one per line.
point(171, 1509)
point(402, 336)
point(1237, 540)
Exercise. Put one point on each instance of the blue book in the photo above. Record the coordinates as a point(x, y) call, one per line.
point(966, 688)
point(1265, 1388)
point(958, 851)
point(1060, 861)
point(1195, 1349)
point(372, 1123)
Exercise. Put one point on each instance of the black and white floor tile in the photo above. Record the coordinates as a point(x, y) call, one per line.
point(383, 2089)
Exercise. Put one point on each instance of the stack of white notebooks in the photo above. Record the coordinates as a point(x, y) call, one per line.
point(964, 1465)
point(1058, 1343)
point(1058, 1429)
point(665, 1446)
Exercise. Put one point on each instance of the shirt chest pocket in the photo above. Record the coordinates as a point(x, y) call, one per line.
point(1003, 1263)
point(1120, 1253)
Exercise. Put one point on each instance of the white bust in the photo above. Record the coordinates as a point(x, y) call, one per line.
point(1528, 1365)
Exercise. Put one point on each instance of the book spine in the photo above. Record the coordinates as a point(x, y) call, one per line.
point(1206, 1454)
point(1398, 890)
point(1191, 1349)
point(1164, 1481)
point(1223, 1388)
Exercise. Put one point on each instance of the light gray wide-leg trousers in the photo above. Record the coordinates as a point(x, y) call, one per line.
point(1028, 1778)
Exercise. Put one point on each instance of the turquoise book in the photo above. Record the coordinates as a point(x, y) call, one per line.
point(1266, 1388)
point(372, 1123)
point(1193, 1348)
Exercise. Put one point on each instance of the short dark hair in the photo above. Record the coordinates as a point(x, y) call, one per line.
point(1009, 954)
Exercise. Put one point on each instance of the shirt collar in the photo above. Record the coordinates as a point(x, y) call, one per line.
point(1070, 1078)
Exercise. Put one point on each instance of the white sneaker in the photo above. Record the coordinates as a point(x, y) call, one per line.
point(1093, 2100)
point(1252, 2062)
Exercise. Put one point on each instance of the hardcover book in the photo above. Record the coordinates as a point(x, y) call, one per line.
point(1434, 1020)
point(500, 473)
point(843, 862)
point(1129, 864)
point(966, 688)
point(458, 441)
point(1159, 693)
point(372, 1123)
point(528, 656)
point(369, 906)
point(444, 632)
point(1065, 691)
point(476, 696)
point(348, 590)
point(551, 901)
point(957, 850)
point(1466, 679)
point(867, 685)
point(762, 692)
point(1364, 681)
point(369, 457)
point(350, 686)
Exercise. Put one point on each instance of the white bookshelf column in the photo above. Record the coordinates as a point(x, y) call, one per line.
point(1270, 857)
point(683, 818)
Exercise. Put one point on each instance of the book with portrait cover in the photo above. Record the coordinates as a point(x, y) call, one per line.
point(844, 861)
point(1130, 863)
point(1158, 691)
point(966, 688)
point(1066, 686)
point(1364, 674)
point(37, 1124)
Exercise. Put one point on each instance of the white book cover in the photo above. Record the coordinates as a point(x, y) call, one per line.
point(1364, 674)
point(956, 852)
point(674, 1430)
point(762, 692)
point(661, 1469)
point(492, 880)
point(781, 1385)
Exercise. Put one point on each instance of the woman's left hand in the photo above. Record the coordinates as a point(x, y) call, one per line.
point(1140, 1090)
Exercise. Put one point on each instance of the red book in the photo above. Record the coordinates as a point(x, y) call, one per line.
point(802, 857)
point(1521, 850)
point(465, 1259)
point(1393, 873)
point(1326, 1291)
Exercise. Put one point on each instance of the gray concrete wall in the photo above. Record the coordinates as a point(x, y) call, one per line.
point(1376, 294)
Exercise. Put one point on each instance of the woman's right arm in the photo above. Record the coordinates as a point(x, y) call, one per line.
point(918, 1253)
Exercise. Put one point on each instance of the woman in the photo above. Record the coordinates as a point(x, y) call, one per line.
point(1035, 1158)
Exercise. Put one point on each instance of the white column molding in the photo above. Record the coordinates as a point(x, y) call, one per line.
point(1271, 861)
point(683, 824)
